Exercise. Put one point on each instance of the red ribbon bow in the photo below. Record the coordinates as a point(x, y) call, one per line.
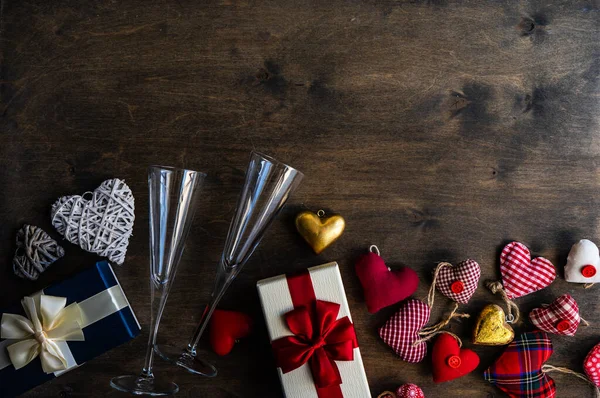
point(320, 341)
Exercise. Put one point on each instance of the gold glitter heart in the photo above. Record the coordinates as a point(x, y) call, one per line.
point(491, 327)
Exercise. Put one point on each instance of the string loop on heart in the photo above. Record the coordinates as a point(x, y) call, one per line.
point(550, 368)
point(374, 249)
point(436, 273)
point(435, 333)
point(430, 331)
point(512, 308)
point(321, 213)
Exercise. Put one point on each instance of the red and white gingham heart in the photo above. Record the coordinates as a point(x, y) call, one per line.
point(459, 282)
point(402, 330)
point(591, 365)
point(520, 274)
point(560, 317)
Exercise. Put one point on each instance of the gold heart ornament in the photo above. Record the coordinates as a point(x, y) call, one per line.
point(491, 327)
point(319, 231)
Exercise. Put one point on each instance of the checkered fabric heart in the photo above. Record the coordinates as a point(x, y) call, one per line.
point(460, 281)
point(518, 372)
point(591, 365)
point(520, 274)
point(560, 317)
point(402, 330)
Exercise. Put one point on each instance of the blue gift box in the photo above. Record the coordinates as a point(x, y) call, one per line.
point(109, 322)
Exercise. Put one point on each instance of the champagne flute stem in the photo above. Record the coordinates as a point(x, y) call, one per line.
point(159, 300)
point(224, 278)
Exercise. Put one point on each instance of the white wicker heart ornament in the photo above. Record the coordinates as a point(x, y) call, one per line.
point(101, 224)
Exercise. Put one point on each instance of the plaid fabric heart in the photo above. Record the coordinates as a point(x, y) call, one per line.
point(518, 372)
point(583, 263)
point(560, 317)
point(591, 365)
point(402, 330)
point(520, 274)
point(459, 282)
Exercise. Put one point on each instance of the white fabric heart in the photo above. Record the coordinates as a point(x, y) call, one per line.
point(101, 224)
point(583, 260)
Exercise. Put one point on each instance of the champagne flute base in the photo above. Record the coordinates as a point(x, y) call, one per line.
point(141, 385)
point(185, 360)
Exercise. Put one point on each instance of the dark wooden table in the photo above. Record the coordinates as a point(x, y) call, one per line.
point(440, 130)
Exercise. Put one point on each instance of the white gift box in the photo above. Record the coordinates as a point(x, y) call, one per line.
point(276, 301)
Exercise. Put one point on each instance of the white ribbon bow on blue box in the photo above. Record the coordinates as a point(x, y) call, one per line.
point(64, 325)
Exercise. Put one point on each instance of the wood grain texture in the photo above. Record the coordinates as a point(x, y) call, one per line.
point(439, 129)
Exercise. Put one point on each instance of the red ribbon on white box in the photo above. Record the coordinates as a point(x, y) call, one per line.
point(279, 297)
point(319, 337)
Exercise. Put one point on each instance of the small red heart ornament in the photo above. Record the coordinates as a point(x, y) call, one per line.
point(591, 365)
point(560, 317)
point(520, 274)
point(226, 327)
point(381, 286)
point(409, 391)
point(402, 330)
point(450, 361)
point(459, 282)
point(518, 371)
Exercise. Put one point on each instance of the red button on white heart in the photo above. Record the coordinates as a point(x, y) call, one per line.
point(588, 271)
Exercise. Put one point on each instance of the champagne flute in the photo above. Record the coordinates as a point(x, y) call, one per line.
point(268, 185)
point(173, 193)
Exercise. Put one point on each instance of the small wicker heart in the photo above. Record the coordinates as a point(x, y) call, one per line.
point(101, 224)
point(491, 327)
point(36, 251)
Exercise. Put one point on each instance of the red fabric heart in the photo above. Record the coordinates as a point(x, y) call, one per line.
point(560, 317)
point(518, 372)
point(402, 330)
point(450, 361)
point(226, 327)
point(591, 365)
point(381, 286)
point(520, 274)
point(459, 282)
